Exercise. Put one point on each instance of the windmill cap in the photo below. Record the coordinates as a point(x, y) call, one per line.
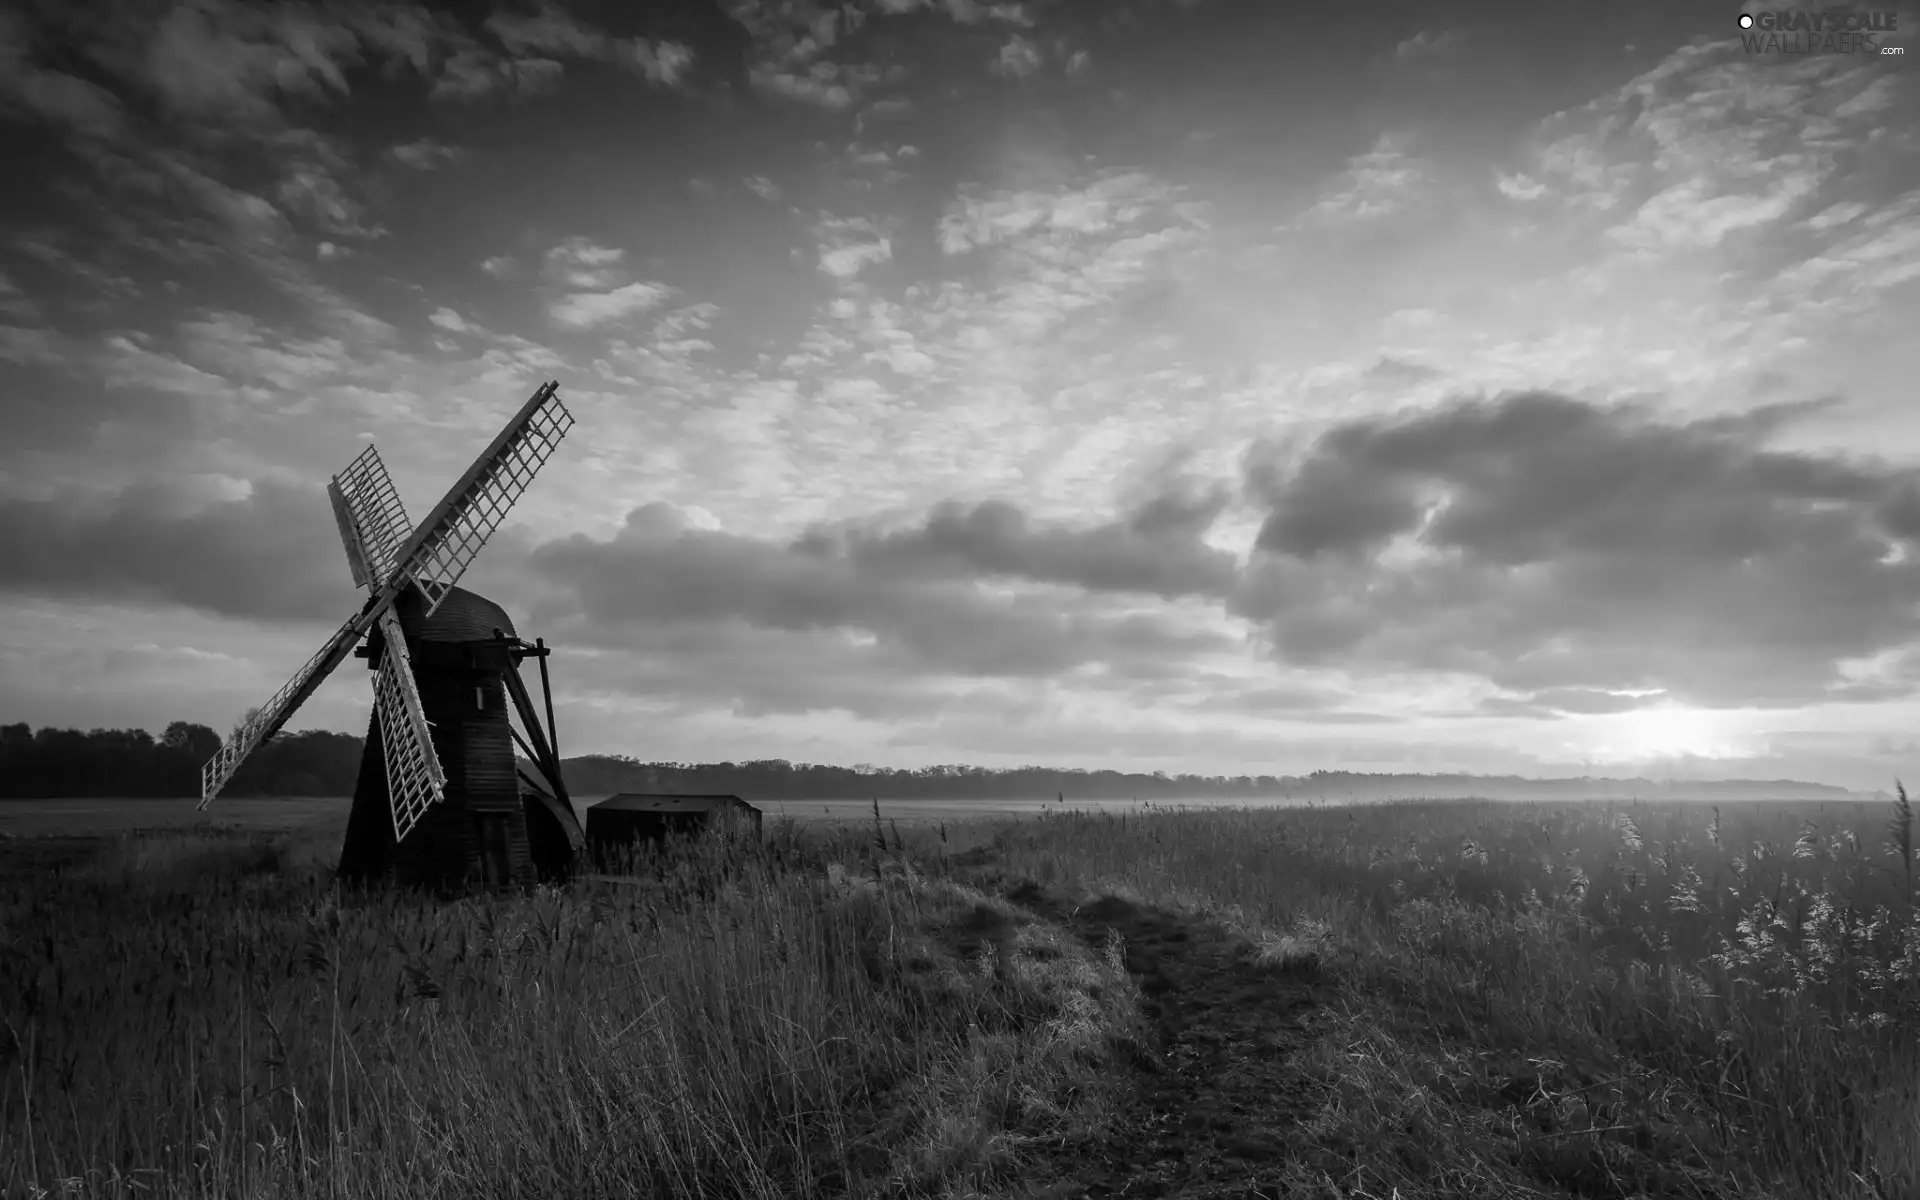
point(463, 616)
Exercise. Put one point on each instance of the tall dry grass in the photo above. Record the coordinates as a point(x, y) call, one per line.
point(196, 1015)
point(1613, 1000)
point(1604, 1001)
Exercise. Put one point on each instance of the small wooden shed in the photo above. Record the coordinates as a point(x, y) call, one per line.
point(630, 817)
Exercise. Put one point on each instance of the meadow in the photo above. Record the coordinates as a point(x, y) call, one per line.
point(1424, 999)
point(103, 817)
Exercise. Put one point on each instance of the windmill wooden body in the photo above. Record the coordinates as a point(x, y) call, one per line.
point(440, 799)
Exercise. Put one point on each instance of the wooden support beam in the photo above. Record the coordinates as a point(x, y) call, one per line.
point(546, 688)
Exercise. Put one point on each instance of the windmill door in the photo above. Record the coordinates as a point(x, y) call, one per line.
point(496, 848)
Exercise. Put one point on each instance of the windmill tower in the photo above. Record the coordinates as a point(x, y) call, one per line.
point(440, 799)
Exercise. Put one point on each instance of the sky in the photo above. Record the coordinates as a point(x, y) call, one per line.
point(1184, 385)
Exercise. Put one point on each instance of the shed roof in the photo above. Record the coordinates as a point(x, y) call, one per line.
point(651, 802)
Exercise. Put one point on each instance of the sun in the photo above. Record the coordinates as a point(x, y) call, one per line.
point(1666, 731)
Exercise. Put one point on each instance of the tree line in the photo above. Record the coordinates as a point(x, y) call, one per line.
point(54, 763)
point(778, 779)
point(64, 763)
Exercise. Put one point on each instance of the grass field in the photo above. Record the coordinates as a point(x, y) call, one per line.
point(94, 818)
point(1420, 1000)
point(102, 818)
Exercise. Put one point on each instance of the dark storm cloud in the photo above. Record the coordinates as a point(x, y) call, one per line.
point(1156, 548)
point(274, 554)
point(658, 570)
point(68, 103)
point(243, 64)
point(1545, 543)
point(769, 625)
point(187, 140)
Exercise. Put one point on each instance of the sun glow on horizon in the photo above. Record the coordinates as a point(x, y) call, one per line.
point(1665, 731)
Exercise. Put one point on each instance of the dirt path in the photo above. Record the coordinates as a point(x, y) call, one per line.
point(1217, 1097)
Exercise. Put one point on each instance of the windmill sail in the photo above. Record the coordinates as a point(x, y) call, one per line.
point(373, 525)
point(373, 522)
point(266, 721)
point(415, 781)
point(357, 559)
point(439, 551)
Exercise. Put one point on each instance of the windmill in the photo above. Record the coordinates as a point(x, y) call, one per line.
point(440, 799)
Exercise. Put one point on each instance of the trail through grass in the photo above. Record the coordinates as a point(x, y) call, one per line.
point(1549, 999)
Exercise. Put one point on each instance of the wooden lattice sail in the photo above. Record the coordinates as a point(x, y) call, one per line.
point(409, 572)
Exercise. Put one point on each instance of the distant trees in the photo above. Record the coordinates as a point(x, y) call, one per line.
point(131, 762)
point(778, 779)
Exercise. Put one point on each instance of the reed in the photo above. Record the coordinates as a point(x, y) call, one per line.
point(187, 1014)
point(1735, 991)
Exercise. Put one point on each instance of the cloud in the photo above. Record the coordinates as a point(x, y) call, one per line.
point(553, 34)
point(49, 95)
point(1519, 186)
point(1590, 700)
point(263, 550)
point(579, 310)
point(1384, 179)
point(751, 672)
point(30, 346)
point(914, 600)
point(665, 63)
point(235, 60)
point(549, 31)
point(108, 398)
point(425, 154)
point(1157, 549)
point(312, 190)
point(1017, 59)
point(211, 84)
point(449, 320)
point(600, 296)
point(824, 85)
point(1428, 44)
point(238, 349)
point(1051, 298)
point(1702, 146)
point(851, 245)
point(1695, 214)
point(1393, 371)
point(962, 12)
point(14, 303)
point(583, 263)
point(809, 52)
point(100, 288)
point(474, 73)
point(1544, 543)
point(976, 220)
point(157, 200)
